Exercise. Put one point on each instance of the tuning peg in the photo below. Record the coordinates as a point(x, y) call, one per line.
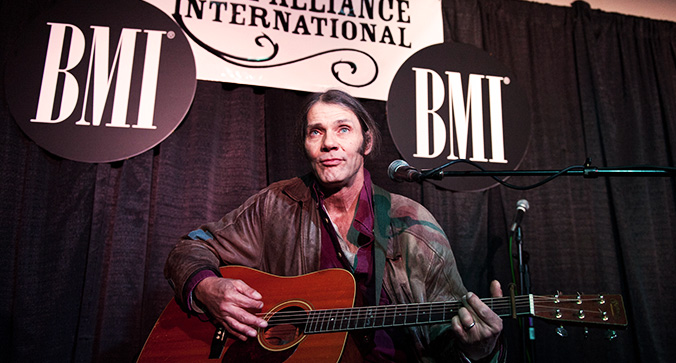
point(586, 332)
point(602, 300)
point(562, 332)
point(611, 335)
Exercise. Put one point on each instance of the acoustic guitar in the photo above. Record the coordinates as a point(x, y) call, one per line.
point(309, 317)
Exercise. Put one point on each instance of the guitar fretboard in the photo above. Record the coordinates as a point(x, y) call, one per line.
point(335, 320)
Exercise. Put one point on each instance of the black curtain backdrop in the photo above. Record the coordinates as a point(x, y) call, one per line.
point(84, 244)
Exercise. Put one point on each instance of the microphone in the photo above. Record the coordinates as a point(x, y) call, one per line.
point(521, 208)
point(400, 171)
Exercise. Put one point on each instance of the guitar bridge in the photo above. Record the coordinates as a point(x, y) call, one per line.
point(217, 343)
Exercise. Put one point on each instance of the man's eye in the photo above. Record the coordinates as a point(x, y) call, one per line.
point(344, 129)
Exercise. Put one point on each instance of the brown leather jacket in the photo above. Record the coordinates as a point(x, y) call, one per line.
point(278, 231)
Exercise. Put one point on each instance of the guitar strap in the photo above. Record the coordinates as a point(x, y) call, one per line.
point(381, 225)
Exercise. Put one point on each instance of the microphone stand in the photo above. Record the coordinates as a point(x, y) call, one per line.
point(528, 329)
point(586, 170)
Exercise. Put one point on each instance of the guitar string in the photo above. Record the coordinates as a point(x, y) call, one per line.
point(323, 324)
point(328, 316)
point(433, 307)
point(355, 323)
point(372, 312)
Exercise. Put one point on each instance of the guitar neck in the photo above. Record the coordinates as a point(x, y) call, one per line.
point(387, 316)
point(576, 309)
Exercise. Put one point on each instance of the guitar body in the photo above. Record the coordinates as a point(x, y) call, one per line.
point(177, 337)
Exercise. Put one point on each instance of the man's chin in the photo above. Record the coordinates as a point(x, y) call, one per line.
point(330, 181)
point(333, 181)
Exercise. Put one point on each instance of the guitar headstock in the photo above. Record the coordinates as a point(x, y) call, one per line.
point(581, 309)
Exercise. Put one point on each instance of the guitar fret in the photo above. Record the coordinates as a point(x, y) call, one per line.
point(368, 319)
point(428, 313)
point(331, 321)
point(331, 324)
point(315, 323)
point(359, 318)
point(407, 315)
point(394, 316)
point(379, 317)
point(401, 317)
point(440, 315)
point(385, 314)
point(349, 319)
point(337, 325)
point(354, 316)
point(364, 317)
point(326, 320)
point(310, 322)
point(340, 318)
point(320, 321)
point(354, 320)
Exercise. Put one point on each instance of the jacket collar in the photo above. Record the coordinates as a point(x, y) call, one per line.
point(299, 188)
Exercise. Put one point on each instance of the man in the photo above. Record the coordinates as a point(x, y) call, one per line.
point(334, 217)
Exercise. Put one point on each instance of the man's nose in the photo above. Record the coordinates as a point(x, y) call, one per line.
point(329, 141)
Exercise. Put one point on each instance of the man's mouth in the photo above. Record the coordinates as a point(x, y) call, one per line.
point(331, 162)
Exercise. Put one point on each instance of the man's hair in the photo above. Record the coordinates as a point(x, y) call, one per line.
point(369, 128)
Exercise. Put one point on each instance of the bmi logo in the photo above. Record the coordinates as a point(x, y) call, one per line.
point(101, 83)
point(455, 102)
point(428, 108)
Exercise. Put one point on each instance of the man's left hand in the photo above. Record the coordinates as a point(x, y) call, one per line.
point(477, 326)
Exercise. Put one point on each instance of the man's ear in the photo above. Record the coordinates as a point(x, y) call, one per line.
point(368, 143)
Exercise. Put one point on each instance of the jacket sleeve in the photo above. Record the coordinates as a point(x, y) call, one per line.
point(444, 283)
point(235, 239)
point(423, 269)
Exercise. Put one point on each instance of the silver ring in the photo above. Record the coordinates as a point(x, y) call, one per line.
point(470, 326)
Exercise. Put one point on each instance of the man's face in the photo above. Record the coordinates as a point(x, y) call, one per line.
point(334, 144)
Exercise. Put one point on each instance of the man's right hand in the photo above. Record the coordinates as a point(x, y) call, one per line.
point(229, 302)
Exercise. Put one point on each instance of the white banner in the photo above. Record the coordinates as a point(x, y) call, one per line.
point(307, 45)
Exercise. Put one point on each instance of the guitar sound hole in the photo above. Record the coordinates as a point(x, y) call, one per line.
point(285, 328)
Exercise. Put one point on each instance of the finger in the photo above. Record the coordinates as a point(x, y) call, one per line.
point(482, 312)
point(464, 331)
point(466, 319)
point(243, 316)
point(238, 330)
point(246, 295)
point(458, 328)
point(247, 290)
point(496, 289)
point(476, 306)
point(245, 301)
point(471, 303)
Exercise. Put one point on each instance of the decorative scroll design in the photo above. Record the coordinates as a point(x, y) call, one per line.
point(258, 63)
